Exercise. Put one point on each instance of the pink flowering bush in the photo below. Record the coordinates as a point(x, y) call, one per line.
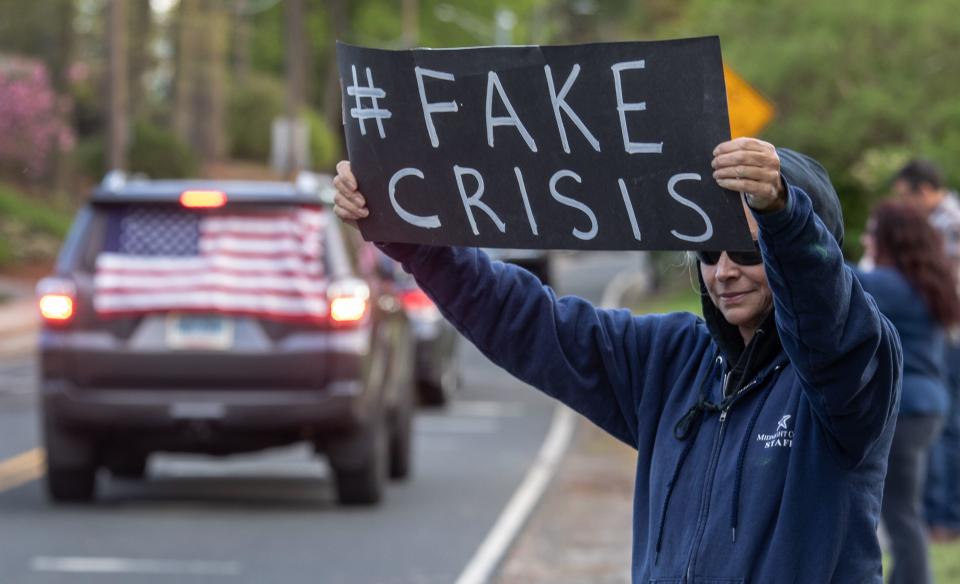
point(32, 122)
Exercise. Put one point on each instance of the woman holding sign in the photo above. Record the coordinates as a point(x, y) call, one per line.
point(762, 431)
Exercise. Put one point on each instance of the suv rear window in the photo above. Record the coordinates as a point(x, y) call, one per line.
point(267, 261)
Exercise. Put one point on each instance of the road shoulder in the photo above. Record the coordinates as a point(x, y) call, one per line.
point(582, 529)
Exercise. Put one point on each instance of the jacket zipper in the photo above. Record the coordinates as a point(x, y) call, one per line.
point(711, 475)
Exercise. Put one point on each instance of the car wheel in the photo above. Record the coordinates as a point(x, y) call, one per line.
point(362, 482)
point(71, 464)
point(71, 485)
point(439, 393)
point(432, 394)
point(401, 438)
point(130, 466)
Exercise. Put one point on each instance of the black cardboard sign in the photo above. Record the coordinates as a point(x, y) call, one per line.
point(600, 146)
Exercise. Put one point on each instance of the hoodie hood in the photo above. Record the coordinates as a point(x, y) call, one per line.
point(803, 172)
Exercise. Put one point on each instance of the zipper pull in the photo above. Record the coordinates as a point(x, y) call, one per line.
point(723, 415)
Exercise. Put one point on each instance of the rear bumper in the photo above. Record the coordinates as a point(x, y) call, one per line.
point(339, 406)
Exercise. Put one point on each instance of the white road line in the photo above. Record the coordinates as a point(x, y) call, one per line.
point(495, 546)
point(487, 409)
point(513, 517)
point(93, 565)
point(431, 425)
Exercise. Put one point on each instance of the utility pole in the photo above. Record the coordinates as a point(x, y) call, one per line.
point(118, 119)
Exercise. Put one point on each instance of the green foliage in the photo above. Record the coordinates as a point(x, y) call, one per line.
point(154, 151)
point(29, 231)
point(6, 258)
point(158, 153)
point(267, 49)
point(860, 85)
point(89, 157)
point(18, 206)
point(250, 113)
point(324, 144)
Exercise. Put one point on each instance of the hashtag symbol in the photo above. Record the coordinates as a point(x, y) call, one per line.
point(362, 114)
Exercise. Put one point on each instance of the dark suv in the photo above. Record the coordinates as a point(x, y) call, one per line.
point(221, 317)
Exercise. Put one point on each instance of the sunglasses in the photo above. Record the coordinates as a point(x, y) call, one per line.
point(741, 258)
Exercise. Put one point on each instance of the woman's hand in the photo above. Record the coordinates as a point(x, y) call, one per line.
point(348, 204)
point(752, 167)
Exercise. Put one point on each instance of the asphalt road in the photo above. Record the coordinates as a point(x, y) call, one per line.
point(271, 517)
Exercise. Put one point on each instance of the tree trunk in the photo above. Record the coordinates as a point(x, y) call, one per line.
point(411, 23)
point(241, 42)
point(60, 76)
point(296, 81)
point(201, 77)
point(333, 106)
point(141, 27)
point(119, 127)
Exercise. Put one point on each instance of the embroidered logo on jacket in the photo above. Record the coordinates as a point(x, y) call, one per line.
point(781, 438)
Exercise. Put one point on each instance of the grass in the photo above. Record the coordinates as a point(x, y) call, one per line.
point(18, 207)
point(31, 228)
point(944, 560)
point(678, 297)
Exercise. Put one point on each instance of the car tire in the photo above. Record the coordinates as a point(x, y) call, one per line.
point(401, 437)
point(71, 485)
point(363, 483)
point(432, 394)
point(130, 467)
point(71, 464)
point(439, 393)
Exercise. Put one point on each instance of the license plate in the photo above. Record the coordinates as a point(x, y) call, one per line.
point(199, 331)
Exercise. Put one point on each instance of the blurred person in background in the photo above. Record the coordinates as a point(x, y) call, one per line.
point(910, 263)
point(921, 184)
point(762, 431)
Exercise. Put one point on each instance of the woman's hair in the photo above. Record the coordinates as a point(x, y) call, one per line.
point(905, 240)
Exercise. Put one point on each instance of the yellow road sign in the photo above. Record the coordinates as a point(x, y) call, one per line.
point(749, 111)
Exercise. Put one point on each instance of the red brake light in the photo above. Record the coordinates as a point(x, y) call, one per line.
point(56, 300)
point(415, 299)
point(203, 199)
point(56, 307)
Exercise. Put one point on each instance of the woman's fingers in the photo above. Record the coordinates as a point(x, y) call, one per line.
point(742, 144)
point(345, 174)
point(752, 167)
point(349, 203)
point(345, 207)
point(751, 187)
point(345, 217)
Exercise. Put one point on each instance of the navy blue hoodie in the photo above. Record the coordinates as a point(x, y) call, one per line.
point(776, 479)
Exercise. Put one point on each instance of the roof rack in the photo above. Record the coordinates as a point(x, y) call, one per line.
point(113, 180)
point(309, 182)
point(120, 187)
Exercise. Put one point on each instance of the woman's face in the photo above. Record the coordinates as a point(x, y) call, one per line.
point(740, 292)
